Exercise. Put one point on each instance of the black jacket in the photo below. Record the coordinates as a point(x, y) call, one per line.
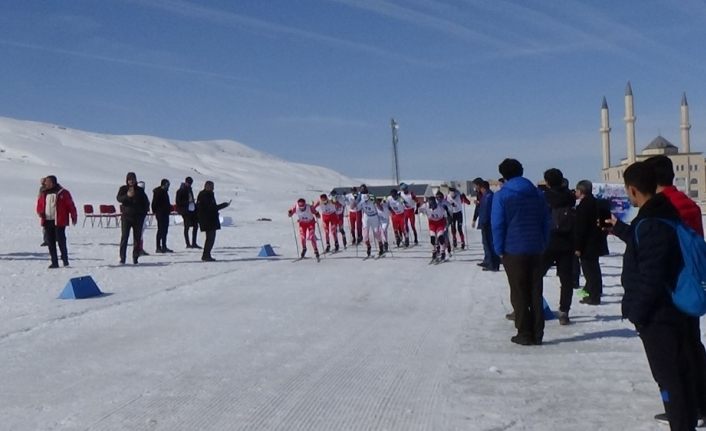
point(208, 211)
point(589, 238)
point(133, 208)
point(160, 202)
point(182, 199)
point(650, 269)
point(560, 197)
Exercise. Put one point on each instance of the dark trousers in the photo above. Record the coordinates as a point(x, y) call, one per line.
point(524, 274)
point(126, 225)
point(564, 261)
point(669, 349)
point(594, 279)
point(490, 259)
point(162, 229)
point(699, 358)
point(208, 245)
point(457, 226)
point(190, 221)
point(56, 234)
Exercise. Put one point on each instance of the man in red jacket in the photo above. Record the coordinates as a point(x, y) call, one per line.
point(55, 207)
point(690, 215)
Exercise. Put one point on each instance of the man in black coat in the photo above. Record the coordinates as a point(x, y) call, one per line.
point(134, 206)
point(651, 265)
point(560, 249)
point(590, 241)
point(186, 207)
point(162, 208)
point(208, 218)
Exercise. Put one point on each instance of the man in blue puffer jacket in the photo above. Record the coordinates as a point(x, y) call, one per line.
point(520, 221)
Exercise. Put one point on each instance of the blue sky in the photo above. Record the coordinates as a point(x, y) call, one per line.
point(316, 81)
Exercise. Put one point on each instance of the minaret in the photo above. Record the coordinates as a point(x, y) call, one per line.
point(685, 126)
point(605, 134)
point(630, 123)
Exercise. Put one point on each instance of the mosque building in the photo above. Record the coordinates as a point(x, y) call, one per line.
point(689, 167)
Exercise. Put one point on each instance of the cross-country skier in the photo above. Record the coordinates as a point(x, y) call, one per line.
point(397, 211)
point(354, 216)
point(455, 202)
point(340, 202)
point(306, 217)
point(436, 210)
point(410, 202)
point(384, 217)
point(371, 221)
point(327, 209)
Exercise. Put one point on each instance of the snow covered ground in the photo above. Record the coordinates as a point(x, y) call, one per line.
point(267, 344)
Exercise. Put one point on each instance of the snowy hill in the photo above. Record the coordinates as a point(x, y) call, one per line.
point(93, 166)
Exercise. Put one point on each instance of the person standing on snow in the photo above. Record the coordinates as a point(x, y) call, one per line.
point(186, 207)
point(384, 217)
point(456, 201)
point(209, 221)
point(306, 217)
point(134, 206)
point(371, 222)
point(162, 208)
point(340, 202)
point(55, 209)
point(355, 218)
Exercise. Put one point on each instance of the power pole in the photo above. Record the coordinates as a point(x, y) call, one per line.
point(395, 140)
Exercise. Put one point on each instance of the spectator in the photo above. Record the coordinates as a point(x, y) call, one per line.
point(162, 207)
point(186, 207)
point(208, 218)
point(690, 214)
point(590, 241)
point(134, 205)
point(55, 208)
point(651, 265)
point(520, 225)
point(560, 250)
point(491, 261)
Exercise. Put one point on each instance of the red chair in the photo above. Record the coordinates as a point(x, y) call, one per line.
point(89, 213)
point(108, 212)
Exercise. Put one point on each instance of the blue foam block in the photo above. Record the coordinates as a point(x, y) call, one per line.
point(266, 251)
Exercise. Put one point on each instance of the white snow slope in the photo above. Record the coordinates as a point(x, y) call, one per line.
point(266, 344)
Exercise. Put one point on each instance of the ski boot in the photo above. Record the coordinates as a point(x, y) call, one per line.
point(381, 249)
point(345, 244)
point(335, 247)
point(303, 253)
point(316, 254)
point(455, 243)
point(463, 246)
point(367, 250)
point(387, 247)
point(328, 248)
point(353, 241)
point(406, 242)
point(443, 257)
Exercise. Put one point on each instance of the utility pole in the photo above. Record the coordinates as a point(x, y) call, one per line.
point(395, 140)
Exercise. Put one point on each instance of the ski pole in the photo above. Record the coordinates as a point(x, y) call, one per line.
point(465, 227)
point(296, 241)
point(321, 238)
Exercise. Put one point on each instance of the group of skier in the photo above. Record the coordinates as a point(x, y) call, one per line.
point(371, 216)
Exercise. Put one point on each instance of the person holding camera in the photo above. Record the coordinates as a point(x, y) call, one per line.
point(134, 205)
point(590, 242)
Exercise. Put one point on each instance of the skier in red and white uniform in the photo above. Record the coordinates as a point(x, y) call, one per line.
point(340, 202)
point(371, 222)
point(327, 209)
point(410, 202)
point(306, 217)
point(437, 211)
point(455, 201)
point(397, 213)
point(354, 216)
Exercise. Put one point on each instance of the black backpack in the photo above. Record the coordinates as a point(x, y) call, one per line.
point(563, 220)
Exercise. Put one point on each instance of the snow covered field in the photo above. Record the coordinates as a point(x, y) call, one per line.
point(266, 344)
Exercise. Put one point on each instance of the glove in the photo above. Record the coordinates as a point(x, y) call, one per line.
point(289, 213)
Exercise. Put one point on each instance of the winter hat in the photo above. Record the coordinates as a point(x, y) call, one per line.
point(130, 176)
point(301, 202)
point(403, 187)
point(323, 197)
